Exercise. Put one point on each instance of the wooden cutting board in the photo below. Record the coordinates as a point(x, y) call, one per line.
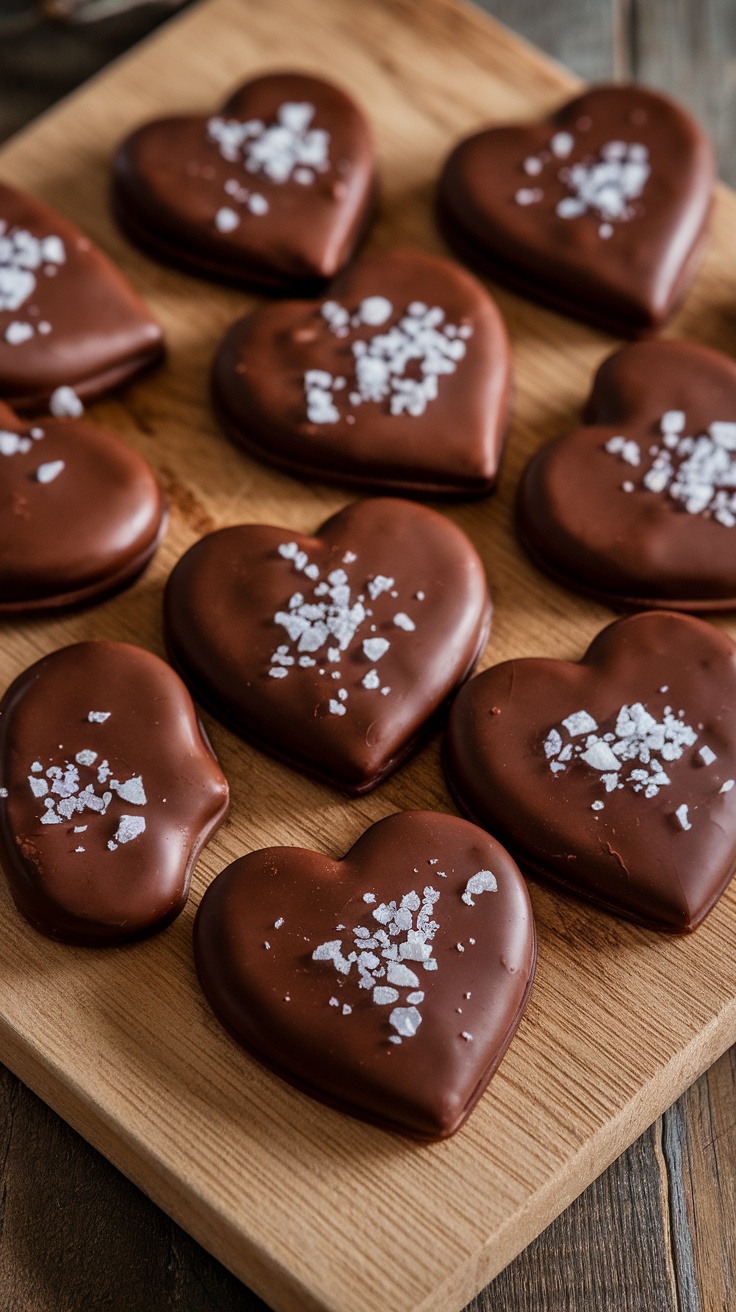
point(312, 1210)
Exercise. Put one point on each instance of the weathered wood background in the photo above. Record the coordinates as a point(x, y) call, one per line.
point(657, 1232)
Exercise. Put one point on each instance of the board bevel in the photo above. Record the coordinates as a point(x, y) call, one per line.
point(312, 1210)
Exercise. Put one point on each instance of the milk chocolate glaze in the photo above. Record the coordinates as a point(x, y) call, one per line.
point(332, 652)
point(398, 377)
point(615, 777)
point(638, 508)
point(388, 984)
point(600, 211)
point(81, 514)
point(68, 317)
point(109, 792)
point(274, 191)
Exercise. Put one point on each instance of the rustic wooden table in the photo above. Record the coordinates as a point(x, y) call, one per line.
point(656, 1232)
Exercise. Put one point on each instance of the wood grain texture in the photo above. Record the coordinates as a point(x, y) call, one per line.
point(299, 1202)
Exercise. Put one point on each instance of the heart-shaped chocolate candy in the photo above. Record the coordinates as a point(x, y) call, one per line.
point(68, 317)
point(110, 791)
point(639, 509)
point(388, 984)
point(615, 776)
point(275, 190)
point(81, 514)
point(334, 651)
point(399, 378)
point(601, 211)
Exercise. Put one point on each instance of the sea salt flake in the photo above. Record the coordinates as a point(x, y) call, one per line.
point(98, 717)
point(562, 144)
point(48, 472)
point(65, 404)
point(727, 786)
point(406, 1021)
point(129, 827)
point(226, 220)
point(707, 755)
point(579, 722)
point(86, 757)
point(400, 974)
point(375, 310)
point(482, 882)
point(132, 791)
point(403, 621)
point(375, 648)
point(381, 583)
point(17, 333)
point(682, 816)
point(529, 196)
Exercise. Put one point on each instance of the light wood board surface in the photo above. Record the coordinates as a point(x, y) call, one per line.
point(313, 1210)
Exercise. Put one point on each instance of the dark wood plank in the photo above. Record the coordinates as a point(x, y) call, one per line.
point(74, 1233)
point(578, 33)
point(41, 61)
point(687, 48)
point(608, 1252)
point(700, 1153)
point(76, 1236)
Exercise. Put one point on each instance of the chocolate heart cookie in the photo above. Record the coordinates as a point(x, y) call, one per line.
point(274, 191)
point(639, 508)
point(615, 776)
point(388, 984)
point(601, 211)
point(109, 792)
point(81, 514)
point(399, 378)
point(68, 317)
point(334, 651)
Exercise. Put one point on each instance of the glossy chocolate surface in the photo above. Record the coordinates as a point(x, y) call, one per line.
point(613, 776)
point(397, 377)
point(275, 190)
point(388, 984)
point(333, 651)
point(68, 317)
point(110, 791)
point(600, 211)
point(639, 507)
point(81, 513)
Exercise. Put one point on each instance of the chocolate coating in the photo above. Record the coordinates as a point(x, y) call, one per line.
point(622, 248)
point(586, 514)
point(451, 443)
point(228, 202)
point(68, 317)
point(81, 513)
point(103, 737)
point(316, 1025)
point(291, 640)
point(649, 835)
